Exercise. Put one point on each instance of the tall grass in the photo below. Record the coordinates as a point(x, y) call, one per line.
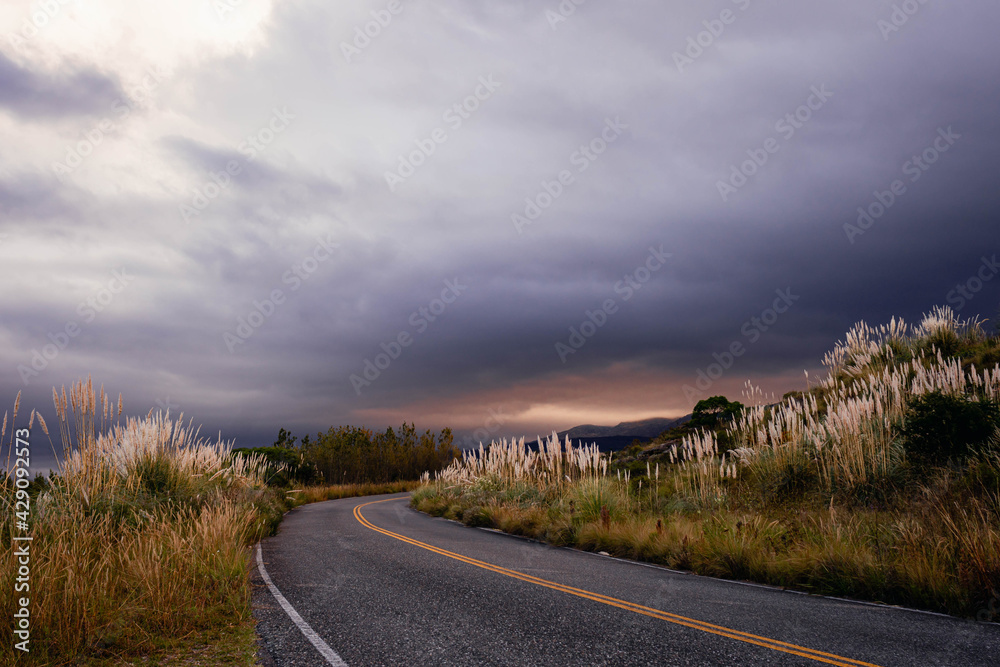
point(140, 540)
point(553, 464)
point(847, 426)
point(814, 491)
point(140, 537)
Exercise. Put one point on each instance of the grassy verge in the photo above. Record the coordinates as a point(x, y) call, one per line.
point(940, 554)
point(317, 494)
point(140, 542)
point(880, 483)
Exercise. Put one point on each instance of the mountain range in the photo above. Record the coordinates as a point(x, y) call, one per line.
point(620, 436)
point(647, 428)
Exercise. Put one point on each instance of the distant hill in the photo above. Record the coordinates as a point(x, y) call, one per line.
point(647, 428)
point(615, 438)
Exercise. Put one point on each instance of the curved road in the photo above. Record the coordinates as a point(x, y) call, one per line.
point(368, 581)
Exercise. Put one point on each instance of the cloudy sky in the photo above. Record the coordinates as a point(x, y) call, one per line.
point(509, 216)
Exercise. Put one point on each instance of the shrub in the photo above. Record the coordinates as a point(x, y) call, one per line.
point(940, 427)
point(791, 479)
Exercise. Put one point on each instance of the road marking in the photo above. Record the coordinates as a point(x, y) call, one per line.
point(773, 644)
point(317, 641)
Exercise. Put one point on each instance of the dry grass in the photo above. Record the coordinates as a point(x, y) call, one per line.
point(552, 465)
point(101, 591)
point(943, 559)
point(141, 539)
point(139, 552)
point(816, 493)
point(318, 494)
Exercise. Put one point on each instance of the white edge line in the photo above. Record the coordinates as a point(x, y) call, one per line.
point(310, 634)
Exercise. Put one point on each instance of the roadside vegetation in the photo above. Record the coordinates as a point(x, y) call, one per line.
point(881, 482)
point(356, 455)
point(139, 551)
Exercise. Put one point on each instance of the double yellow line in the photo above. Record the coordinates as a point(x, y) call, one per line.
point(719, 630)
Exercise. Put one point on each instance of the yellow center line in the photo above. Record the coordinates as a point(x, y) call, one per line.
point(722, 631)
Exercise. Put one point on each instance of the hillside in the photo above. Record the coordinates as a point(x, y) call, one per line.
point(618, 437)
point(647, 428)
point(881, 481)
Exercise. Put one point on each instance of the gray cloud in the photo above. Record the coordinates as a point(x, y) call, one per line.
point(72, 91)
point(324, 178)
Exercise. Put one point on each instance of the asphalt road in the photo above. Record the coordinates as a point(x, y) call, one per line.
point(376, 583)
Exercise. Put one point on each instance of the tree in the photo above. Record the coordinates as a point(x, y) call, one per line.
point(352, 455)
point(714, 412)
point(285, 439)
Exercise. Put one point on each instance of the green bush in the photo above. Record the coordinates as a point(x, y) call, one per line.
point(791, 479)
point(941, 427)
point(714, 412)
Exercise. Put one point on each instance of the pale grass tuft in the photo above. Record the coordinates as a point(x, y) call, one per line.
point(865, 396)
point(41, 422)
point(935, 548)
point(554, 463)
point(142, 536)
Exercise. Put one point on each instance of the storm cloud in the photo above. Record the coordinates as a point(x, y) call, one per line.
point(367, 214)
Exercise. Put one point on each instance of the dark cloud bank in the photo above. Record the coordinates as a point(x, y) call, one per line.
point(311, 254)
